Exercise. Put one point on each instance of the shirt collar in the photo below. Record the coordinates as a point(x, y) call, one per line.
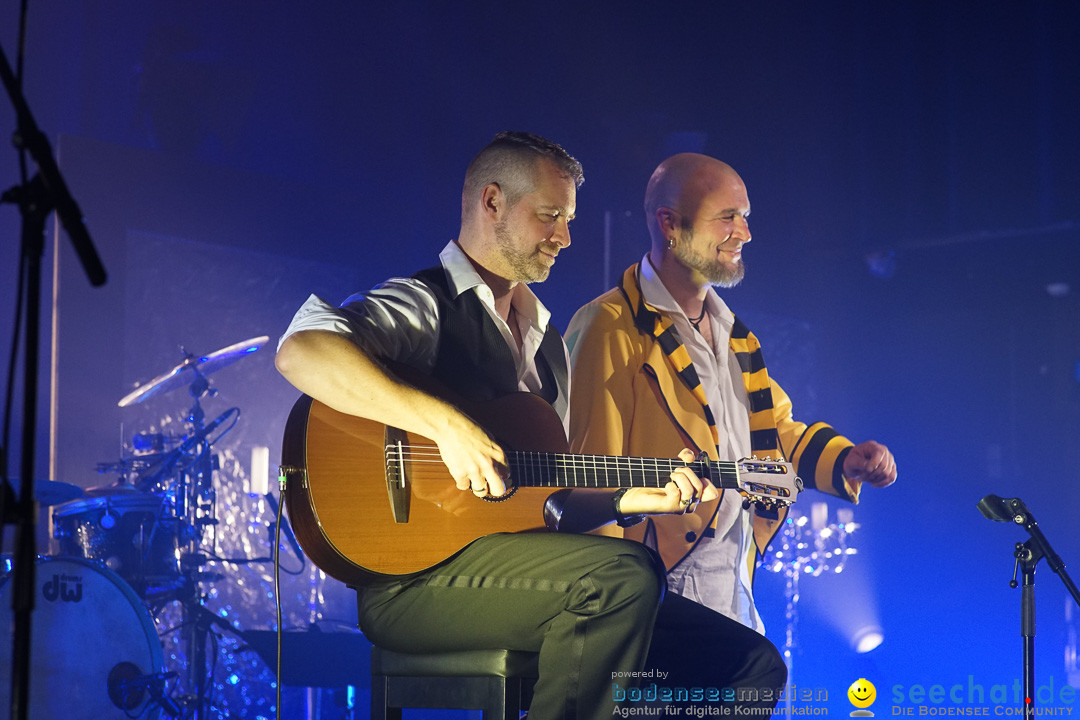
point(463, 276)
point(656, 294)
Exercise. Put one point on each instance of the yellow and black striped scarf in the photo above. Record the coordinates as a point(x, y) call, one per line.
point(818, 454)
point(764, 441)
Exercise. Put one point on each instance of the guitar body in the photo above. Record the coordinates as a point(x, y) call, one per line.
point(357, 524)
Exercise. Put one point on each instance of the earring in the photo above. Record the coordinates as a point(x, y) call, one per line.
point(671, 243)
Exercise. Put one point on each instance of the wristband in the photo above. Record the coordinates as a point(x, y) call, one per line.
point(620, 519)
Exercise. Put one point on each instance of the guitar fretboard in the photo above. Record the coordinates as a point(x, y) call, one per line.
point(540, 469)
point(766, 480)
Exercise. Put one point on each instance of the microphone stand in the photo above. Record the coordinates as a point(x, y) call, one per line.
point(46, 192)
point(1027, 555)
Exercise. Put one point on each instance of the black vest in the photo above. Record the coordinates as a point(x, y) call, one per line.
point(472, 357)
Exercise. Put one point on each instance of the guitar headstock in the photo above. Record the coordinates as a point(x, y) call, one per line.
point(771, 482)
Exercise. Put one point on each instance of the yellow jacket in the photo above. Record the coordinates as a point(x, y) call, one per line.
point(628, 399)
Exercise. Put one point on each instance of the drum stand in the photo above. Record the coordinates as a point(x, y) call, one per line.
point(184, 474)
point(198, 623)
point(189, 469)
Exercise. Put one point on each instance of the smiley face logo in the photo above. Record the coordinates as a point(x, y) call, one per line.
point(862, 694)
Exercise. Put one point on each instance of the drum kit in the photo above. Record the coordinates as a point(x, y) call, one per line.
point(125, 551)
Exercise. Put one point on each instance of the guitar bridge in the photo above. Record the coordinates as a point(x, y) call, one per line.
point(397, 478)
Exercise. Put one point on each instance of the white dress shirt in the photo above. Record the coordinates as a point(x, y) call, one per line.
point(715, 573)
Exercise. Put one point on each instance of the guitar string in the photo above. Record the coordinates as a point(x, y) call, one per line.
point(527, 462)
point(427, 457)
point(430, 453)
point(420, 452)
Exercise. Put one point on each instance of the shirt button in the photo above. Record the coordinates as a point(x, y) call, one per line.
point(691, 537)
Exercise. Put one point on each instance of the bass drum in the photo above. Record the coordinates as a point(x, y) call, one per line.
point(93, 645)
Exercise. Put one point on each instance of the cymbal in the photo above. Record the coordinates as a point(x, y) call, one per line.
point(204, 365)
point(109, 490)
point(50, 492)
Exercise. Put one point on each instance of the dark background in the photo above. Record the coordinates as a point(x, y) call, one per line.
point(913, 167)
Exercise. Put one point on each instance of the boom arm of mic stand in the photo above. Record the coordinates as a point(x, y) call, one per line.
point(30, 138)
point(1027, 556)
point(52, 193)
point(1023, 517)
point(1014, 510)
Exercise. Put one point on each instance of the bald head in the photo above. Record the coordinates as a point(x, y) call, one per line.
point(697, 209)
point(682, 183)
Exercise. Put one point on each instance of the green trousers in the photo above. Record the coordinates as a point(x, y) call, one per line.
point(587, 604)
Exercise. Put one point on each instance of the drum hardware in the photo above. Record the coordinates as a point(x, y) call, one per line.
point(119, 487)
point(179, 471)
point(127, 686)
point(199, 627)
point(151, 444)
point(164, 466)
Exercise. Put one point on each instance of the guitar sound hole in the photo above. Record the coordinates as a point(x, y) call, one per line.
point(506, 496)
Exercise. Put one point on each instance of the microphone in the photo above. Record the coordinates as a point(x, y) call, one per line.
point(995, 508)
point(216, 422)
point(1014, 510)
point(275, 508)
point(165, 464)
point(127, 686)
point(201, 433)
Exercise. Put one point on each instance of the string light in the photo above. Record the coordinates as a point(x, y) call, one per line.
point(807, 545)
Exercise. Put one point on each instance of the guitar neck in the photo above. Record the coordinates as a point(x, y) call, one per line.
point(560, 470)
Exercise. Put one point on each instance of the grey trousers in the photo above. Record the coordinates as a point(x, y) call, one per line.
point(587, 604)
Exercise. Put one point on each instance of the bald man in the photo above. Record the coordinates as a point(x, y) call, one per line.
point(642, 401)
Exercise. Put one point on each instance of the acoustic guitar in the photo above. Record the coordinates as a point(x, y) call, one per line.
point(369, 501)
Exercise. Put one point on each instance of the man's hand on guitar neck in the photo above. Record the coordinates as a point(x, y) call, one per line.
point(582, 511)
point(680, 495)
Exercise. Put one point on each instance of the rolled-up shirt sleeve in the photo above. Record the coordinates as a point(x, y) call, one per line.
point(396, 321)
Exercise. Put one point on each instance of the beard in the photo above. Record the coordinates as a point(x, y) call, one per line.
point(716, 272)
point(526, 267)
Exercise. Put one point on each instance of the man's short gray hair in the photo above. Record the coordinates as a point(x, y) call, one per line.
point(510, 161)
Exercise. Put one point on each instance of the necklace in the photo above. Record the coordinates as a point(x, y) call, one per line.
point(696, 322)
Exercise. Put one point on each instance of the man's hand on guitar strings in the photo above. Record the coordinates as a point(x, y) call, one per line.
point(474, 460)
